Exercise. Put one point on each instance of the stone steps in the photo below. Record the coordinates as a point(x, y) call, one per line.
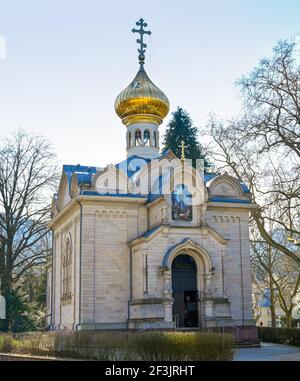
point(242, 343)
point(247, 344)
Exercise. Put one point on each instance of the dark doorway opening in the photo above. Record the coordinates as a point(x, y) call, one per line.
point(185, 294)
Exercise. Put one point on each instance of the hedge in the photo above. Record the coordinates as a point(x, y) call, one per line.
point(290, 336)
point(118, 346)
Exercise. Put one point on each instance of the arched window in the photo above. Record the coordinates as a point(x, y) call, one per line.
point(67, 272)
point(138, 138)
point(182, 209)
point(154, 138)
point(146, 138)
point(129, 140)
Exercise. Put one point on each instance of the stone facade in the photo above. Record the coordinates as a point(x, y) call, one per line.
point(124, 244)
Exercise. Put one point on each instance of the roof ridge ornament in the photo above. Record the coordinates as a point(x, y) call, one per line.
point(140, 40)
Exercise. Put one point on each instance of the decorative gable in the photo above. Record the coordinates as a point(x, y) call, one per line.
point(111, 180)
point(227, 187)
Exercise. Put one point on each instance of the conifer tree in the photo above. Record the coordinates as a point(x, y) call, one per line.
point(180, 128)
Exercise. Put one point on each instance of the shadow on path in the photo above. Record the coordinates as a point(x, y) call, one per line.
point(268, 352)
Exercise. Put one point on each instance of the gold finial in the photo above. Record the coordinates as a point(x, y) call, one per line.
point(142, 101)
point(140, 40)
point(182, 158)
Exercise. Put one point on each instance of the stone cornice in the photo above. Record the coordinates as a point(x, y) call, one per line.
point(234, 205)
point(65, 212)
point(108, 199)
point(86, 199)
point(156, 201)
point(146, 237)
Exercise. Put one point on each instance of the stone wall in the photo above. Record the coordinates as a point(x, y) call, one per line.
point(66, 315)
point(107, 227)
point(233, 224)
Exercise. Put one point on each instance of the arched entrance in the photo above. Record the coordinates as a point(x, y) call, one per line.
point(185, 293)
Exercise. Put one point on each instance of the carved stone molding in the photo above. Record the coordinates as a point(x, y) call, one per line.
point(111, 213)
point(226, 219)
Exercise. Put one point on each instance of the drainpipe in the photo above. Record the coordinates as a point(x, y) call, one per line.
point(80, 261)
point(241, 267)
point(51, 301)
point(148, 219)
point(130, 285)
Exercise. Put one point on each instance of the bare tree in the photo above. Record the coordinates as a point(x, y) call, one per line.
point(275, 272)
point(262, 274)
point(262, 146)
point(28, 174)
point(272, 101)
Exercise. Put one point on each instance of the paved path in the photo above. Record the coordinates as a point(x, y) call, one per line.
point(268, 352)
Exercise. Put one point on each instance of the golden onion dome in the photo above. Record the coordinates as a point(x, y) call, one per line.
point(142, 101)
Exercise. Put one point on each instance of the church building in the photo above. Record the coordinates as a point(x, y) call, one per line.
point(152, 241)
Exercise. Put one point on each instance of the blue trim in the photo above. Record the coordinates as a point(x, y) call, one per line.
point(245, 188)
point(84, 173)
point(265, 299)
point(129, 195)
point(149, 232)
point(171, 249)
point(209, 176)
point(229, 200)
point(152, 197)
point(84, 178)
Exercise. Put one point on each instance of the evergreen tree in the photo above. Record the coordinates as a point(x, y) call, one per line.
point(28, 302)
point(180, 128)
point(24, 315)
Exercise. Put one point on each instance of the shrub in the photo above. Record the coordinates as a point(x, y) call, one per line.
point(290, 336)
point(110, 346)
point(6, 344)
point(181, 346)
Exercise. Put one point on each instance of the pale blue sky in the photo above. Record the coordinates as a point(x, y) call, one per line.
point(67, 60)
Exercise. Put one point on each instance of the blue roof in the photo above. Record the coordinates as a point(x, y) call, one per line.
point(70, 169)
point(245, 188)
point(131, 166)
point(152, 197)
point(84, 173)
point(149, 232)
point(209, 176)
point(95, 193)
point(229, 200)
point(265, 299)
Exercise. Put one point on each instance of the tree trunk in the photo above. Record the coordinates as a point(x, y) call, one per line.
point(288, 316)
point(273, 315)
point(272, 300)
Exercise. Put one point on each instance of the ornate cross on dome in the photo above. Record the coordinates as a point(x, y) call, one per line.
point(140, 40)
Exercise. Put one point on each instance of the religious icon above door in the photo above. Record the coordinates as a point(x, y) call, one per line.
point(182, 209)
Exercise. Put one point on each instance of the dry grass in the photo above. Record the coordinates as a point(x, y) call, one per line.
point(118, 346)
